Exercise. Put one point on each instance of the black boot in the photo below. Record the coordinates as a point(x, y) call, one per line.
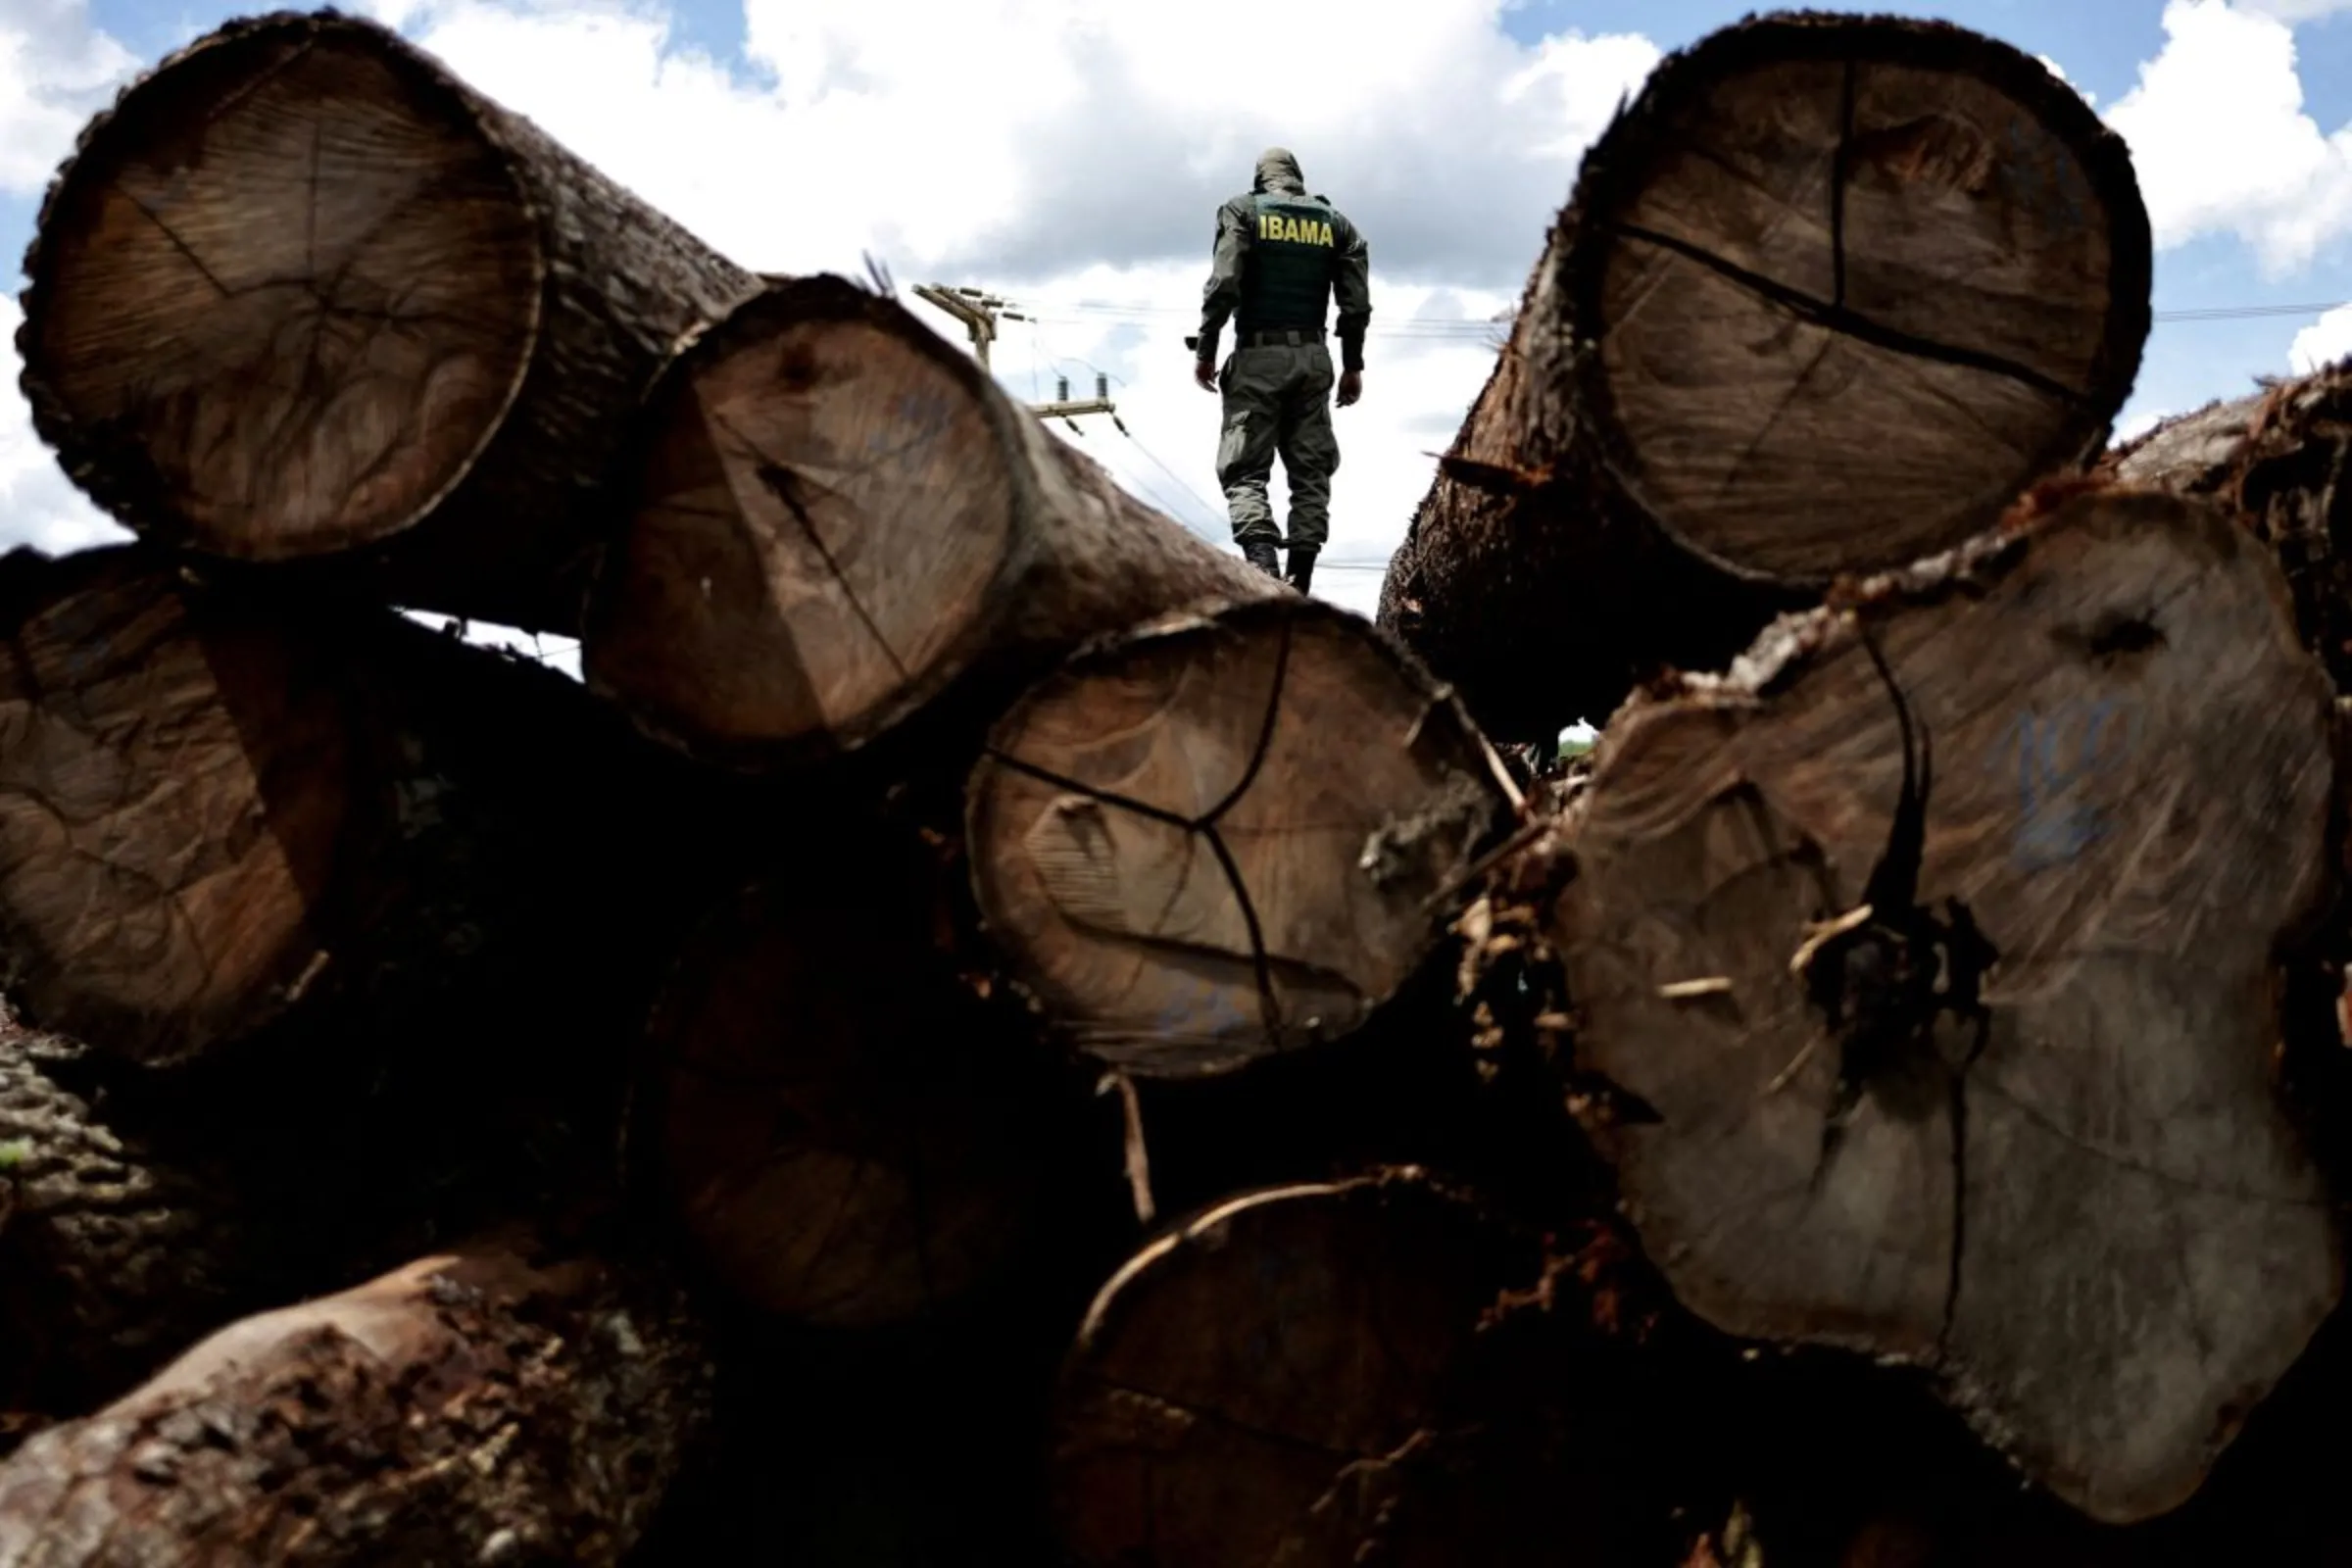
point(1302, 566)
point(1260, 554)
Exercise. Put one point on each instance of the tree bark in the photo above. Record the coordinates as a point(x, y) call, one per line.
point(304, 293)
point(848, 1137)
point(1827, 297)
point(110, 1259)
point(226, 811)
point(477, 1407)
point(1227, 835)
point(836, 517)
point(2081, 1206)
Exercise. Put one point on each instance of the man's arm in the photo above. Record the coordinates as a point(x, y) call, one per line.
point(1223, 295)
point(1352, 291)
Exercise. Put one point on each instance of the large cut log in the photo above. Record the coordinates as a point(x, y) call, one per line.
point(1293, 1377)
point(484, 1407)
point(223, 810)
point(304, 293)
point(846, 1136)
point(1826, 298)
point(1932, 953)
point(1227, 835)
point(835, 515)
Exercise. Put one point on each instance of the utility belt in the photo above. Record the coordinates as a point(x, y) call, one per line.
point(1296, 338)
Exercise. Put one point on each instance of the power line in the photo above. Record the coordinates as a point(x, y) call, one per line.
point(1458, 326)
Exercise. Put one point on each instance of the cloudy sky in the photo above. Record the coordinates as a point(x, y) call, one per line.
point(1069, 156)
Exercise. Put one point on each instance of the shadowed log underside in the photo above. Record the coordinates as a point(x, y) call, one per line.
point(223, 805)
point(1828, 296)
point(1248, 1387)
point(837, 515)
point(176, 778)
point(849, 1137)
point(1228, 835)
point(2081, 1206)
point(304, 292)
point(469, 1409)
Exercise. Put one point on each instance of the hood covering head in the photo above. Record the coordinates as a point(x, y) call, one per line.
point(1278, 171)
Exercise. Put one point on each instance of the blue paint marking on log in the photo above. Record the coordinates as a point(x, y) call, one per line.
point(1186, 1006)
point(2053, 827)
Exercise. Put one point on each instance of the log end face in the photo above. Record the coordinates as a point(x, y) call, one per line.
point(816, 532)
point(1850, 288)
point(1239, 1368)
point(846, 1136)
point(2063, 1178)
point(1226, 836)
point(337, 286)
point(175, 782)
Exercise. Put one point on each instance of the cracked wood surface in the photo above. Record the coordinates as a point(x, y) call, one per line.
point(836, 517)
point(1245, 1376)
point(1824, 299)
point(2103, 1234)
point(480, 1407)
point(302, 292)
point(848, 1136)
point(1227, 835)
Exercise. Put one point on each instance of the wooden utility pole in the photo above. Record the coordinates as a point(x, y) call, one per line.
point(979, 312)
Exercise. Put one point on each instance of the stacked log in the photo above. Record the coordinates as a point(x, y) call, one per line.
point(1827, 295)
point(985, 1030)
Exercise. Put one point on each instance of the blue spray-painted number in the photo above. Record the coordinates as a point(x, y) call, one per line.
point(2054, 826)
point(921, 418)
point(1199, 1007)
point(2040, 184)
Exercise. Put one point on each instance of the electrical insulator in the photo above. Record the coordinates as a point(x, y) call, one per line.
point(1062, 389)
point(1103, 386)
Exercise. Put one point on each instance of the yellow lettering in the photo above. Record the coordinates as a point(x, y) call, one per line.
point(1261, 226)
point(1324, 237)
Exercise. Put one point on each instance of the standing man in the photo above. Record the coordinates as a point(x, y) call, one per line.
point(1281, 256)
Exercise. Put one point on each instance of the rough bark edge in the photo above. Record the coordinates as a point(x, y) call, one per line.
point(1879, 39)
point(578, 1338)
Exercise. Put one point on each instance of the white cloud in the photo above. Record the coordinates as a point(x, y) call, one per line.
point(1033, 137)
point(2322, 343)
point(39, 505)
point(55, 69)
point(893, 131)
point(2295, 10)
point(2222, 144)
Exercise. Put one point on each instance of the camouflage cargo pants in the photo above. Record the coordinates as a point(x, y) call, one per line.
point(1278, 403)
